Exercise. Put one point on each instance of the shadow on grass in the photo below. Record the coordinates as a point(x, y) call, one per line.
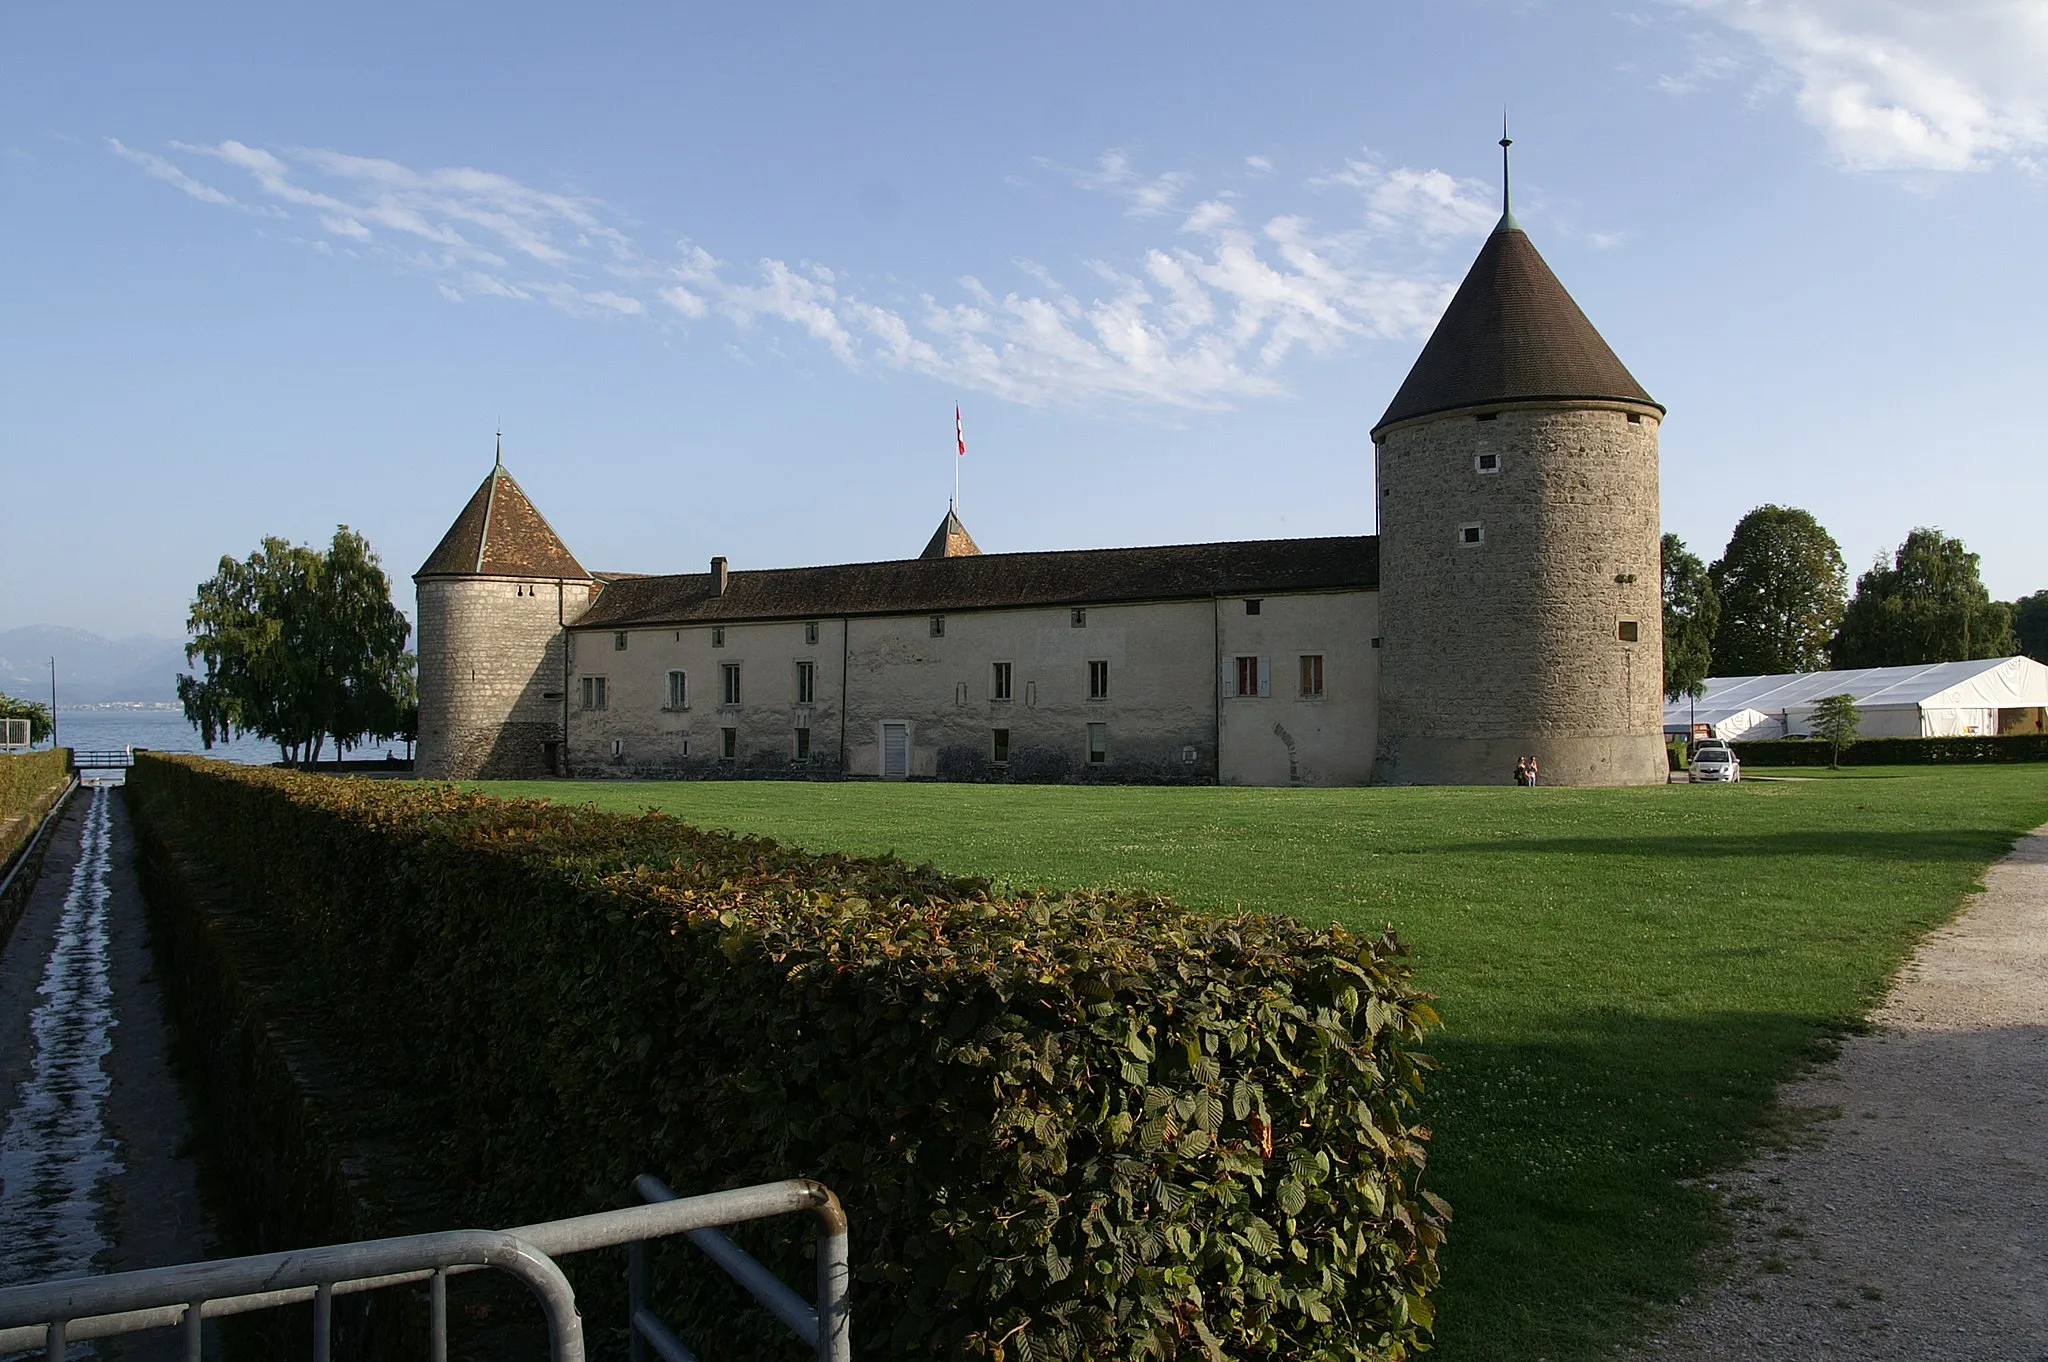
point(1976, 845)
point(1575, 1164)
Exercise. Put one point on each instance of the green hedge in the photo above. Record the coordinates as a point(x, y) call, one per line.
point(1083, 1125)
point(28, 781)
point(1895, 751)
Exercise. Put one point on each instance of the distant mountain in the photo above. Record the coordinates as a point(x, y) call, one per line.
point(91, 670)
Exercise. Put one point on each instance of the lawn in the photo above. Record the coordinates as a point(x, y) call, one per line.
point(1624, 975)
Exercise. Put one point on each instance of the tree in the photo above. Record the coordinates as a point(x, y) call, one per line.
point(1691, 614)
point(1927, 605)
point(2030, 625)
point(35, 711)
point(1834, 722)
point(1782, 583)
point(299, 646)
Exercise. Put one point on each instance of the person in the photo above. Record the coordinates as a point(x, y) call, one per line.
point(1521, 770)
point(1532, 769)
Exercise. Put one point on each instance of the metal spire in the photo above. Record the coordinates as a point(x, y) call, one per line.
point(1507, 210)
point(499, 460)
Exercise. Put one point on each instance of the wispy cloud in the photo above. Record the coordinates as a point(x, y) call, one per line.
point(1928, 85)
point(1205, 317)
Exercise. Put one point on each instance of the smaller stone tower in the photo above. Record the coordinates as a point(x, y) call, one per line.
point(1521, 612)
point(493, 600)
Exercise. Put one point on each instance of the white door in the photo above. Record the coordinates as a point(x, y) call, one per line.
point(895, 751)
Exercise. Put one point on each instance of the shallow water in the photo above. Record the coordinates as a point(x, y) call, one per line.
point(56, 1151)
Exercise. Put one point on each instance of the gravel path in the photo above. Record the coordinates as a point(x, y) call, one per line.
point(1911, 1220)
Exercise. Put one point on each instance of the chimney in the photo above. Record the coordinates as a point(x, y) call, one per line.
point(718, 576)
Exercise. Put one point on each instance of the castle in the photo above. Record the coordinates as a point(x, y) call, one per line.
point(1508, 604)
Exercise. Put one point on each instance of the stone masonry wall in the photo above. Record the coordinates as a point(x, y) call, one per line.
point(490, 656)
point(1517, 642)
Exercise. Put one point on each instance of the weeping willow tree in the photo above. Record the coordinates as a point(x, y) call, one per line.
point(300, 646)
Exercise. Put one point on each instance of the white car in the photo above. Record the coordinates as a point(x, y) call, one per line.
point(1713, 761)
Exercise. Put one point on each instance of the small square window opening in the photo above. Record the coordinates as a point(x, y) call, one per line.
point(1630, 632)
point(1077, 618)
point(619, 641)
point(938, 626)
point(1471, 536)
point(811, 632)
point(718, 637)
point(1252, 607)
point(1486, 463)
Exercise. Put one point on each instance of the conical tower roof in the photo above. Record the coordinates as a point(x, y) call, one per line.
point(1511, 334)
point(951, 540)
point(500, 534)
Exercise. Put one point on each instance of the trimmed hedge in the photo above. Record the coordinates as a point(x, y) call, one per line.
point(1084, 1125)
point(29, 779)
point(1895, 751)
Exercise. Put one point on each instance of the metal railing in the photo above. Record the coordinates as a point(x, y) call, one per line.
point(102, 761)
point(52, 1315)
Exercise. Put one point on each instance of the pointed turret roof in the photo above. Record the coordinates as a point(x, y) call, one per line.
point(951, 540)
point(1511, 334)
point(500, 534)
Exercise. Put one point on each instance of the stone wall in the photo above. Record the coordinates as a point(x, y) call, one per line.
point(1515, 645)
point(491, 674)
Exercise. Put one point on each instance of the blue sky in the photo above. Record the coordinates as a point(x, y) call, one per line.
point(721, 274)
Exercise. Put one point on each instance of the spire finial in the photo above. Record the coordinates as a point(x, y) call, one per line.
point(1506, 204)
point(499, 461)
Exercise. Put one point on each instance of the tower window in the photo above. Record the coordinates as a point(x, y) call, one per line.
point(1471, 536)
point(1252, 607)
point(1486, 463)
point(1487, 416)
point(1629, 632)
point(1635, 418)
point(619, 641)
point(811, 632)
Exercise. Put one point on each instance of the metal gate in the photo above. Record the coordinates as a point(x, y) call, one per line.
point(51, 1315)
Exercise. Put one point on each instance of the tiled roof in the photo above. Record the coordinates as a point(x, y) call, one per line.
point(951, 539)
point(986, 581)
point(1511, 333)
point(500, 534)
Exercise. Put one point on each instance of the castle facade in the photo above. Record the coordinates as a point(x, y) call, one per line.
point(1509, 604)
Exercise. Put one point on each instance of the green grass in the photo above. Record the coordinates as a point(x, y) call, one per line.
point(1624, 975)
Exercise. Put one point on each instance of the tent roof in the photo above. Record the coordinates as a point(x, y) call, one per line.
point(501, 534)
point(1993, 683)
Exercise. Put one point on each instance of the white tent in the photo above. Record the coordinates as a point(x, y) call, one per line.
point(1941, 699)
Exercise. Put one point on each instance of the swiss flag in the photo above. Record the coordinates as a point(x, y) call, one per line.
point(959, 431)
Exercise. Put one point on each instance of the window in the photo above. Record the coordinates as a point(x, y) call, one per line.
point(1472, 535)
point(803, 744)
point(1252, 607)
point(1077, 618)
point(999, 683)
point(1635, 418)
point(686, 744)
point(1487, 416)
point(938, 626)
point(1248, 677)
point(678, 691)
point(1311, 676)
point(1486, 463)
point(1630, 632)
point(594, 693)
point(1098, 680)
point(729, 677)
point(718, 637)
point(1098, 744)
point(999, 748)
point(1375, 640)
point(729, 744)
point(619, 641)
point(806, 682)
point(618, 748)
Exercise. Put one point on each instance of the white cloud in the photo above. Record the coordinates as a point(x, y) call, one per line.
point(1904, 84)
point(1259, 165)
point(1204, 318)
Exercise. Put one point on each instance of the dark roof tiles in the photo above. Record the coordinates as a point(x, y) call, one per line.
point(1511, 333)
point(500, 534)
point(991, 581)
point(951, 540)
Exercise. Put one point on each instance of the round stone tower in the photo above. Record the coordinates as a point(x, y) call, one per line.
point(493, 600)
point(1521, 610)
